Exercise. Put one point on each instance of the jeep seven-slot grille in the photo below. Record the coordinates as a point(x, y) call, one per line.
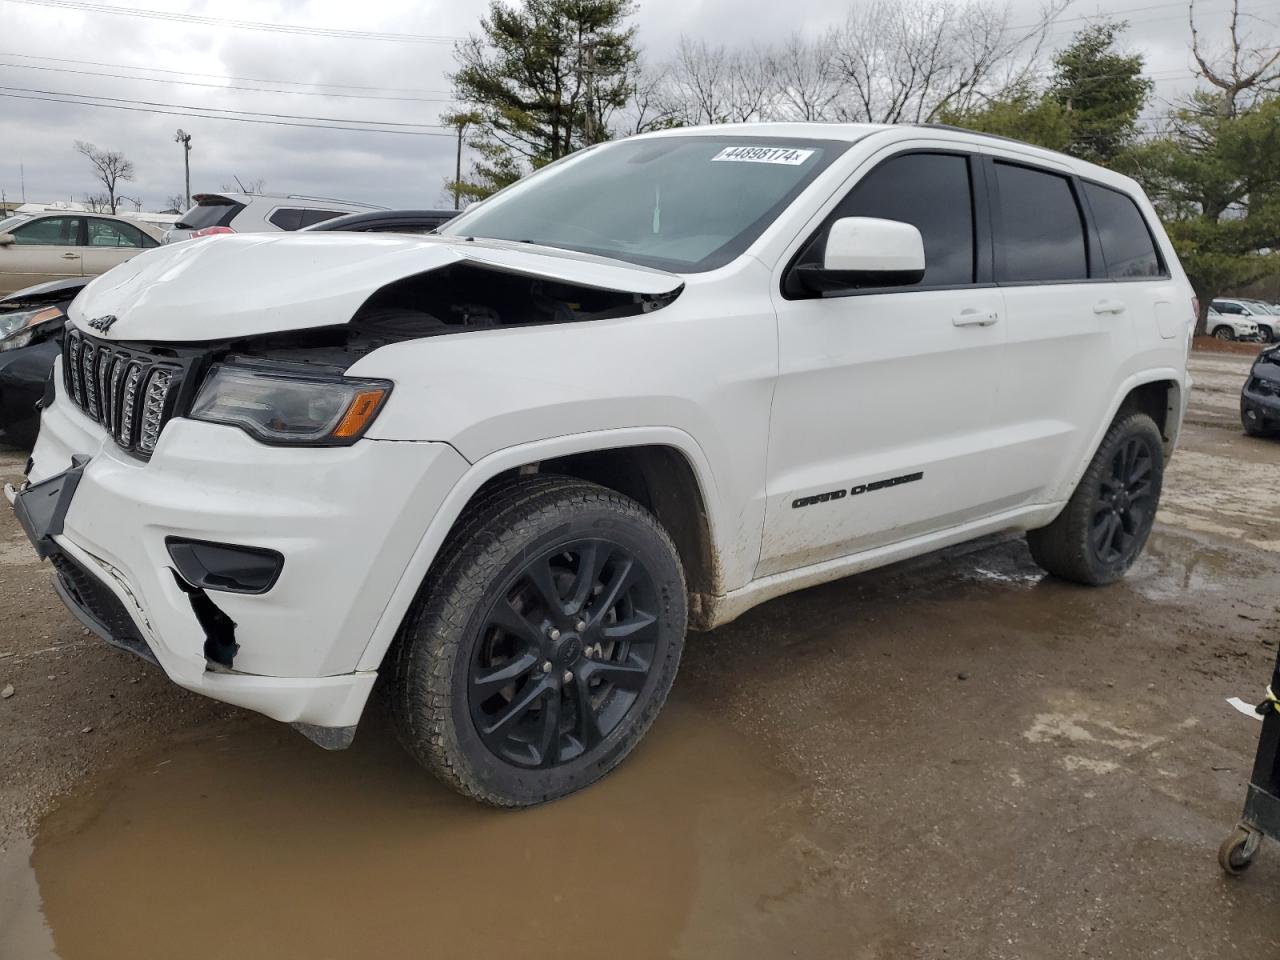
point(128, 391)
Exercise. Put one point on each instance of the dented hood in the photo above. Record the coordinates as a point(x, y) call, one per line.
point(237, 285)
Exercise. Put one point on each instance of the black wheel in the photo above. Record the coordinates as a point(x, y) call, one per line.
point(1105, 524)
point(1224, 333)
point(1265, 334)
point(1236, 854)
point(541, 651)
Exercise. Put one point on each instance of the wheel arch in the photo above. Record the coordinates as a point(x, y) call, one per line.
point(1160, 394)
point(662, 468)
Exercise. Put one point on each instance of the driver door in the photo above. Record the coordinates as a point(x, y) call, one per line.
point(882, 417)
point(46, 248)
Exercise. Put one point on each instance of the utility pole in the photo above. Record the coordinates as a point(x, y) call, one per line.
point(587, 52)
point(457, 169)
point(184, 138)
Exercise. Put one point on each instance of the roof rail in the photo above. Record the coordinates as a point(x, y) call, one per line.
point(300, 196)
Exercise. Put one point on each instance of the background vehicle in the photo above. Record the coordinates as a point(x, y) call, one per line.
point(25, 365)
point(258, 213)
point(57, 246)
point(1230, 326)
point(389, 221)
point(1260, 395)
point(1265, 326)
point(650, 386)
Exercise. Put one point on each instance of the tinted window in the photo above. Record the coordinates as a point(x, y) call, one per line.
point(106, 233)
point(931, 192)
point(1039, 234)
point(210, 212)
point(1126, 242)
point(1232, 308)
point(286, 218)
point(50, 232)
point(310, 217)
point(687, 203)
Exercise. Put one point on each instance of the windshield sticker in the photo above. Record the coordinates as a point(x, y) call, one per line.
point(785, 155)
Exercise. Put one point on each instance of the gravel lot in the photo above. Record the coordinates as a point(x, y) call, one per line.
point(949, 757)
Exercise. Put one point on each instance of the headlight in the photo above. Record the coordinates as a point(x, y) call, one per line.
point(19, 328)
point(281, 406)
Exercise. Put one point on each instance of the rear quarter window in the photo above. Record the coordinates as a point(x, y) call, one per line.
point(1127, 245)
point(286, 218)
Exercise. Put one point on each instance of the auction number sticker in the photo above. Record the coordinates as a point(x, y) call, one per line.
point(785, 155)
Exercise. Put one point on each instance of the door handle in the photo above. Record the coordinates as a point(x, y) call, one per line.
point(975, 318)
point(71, 256)
point(1108, 306)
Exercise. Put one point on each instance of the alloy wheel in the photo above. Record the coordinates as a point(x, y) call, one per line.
point(563, 654)
point(1124, 503)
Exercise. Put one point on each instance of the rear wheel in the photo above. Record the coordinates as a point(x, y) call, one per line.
point(1224, 333)
point(544, 647)
point(1107, 521)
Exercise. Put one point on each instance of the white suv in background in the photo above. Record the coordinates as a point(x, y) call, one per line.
point(1247, 319)
point(648, 387)
point(257, 213)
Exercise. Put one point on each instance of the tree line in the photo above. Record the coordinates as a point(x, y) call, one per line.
point(543, 78)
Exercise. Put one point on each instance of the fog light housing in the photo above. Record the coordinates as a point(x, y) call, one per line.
point(225, 566)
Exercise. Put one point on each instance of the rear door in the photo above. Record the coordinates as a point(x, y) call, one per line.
point(1069, 328)
point(46, 248)
point(110, 242)
point(882, 412)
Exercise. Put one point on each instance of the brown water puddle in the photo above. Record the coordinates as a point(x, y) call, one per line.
point(256, 844)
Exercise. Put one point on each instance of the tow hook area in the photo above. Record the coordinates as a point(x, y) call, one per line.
point(220, 647)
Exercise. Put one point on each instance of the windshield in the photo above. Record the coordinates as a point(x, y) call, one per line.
point(6, 226)
point(680, 203)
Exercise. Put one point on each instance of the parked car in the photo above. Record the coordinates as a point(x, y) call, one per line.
point(30, 334)
point(31, 323)
point(389, 221)
point(650, 386)
point(1260, 396)
point(55, 246)
point(257, 213)
point(1241, 315)
point(1267, 317)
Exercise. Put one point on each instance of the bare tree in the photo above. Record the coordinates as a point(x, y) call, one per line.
point(97, 202)
point(907, 62)
point(806, 80)
point(110, 166)
point(1239, 69)
point(649, 107)
point(705, 84)
point(176, 201)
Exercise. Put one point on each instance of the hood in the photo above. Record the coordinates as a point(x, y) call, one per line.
point(55, 291)
point(236, 285)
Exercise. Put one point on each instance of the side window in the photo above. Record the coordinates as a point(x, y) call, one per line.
point(1038, 230)
point(932, 192)
point(1126, 242)
point(1232, 308)
point(287, 218)
point(108, 233)
point(310, 217)
point(49, 232)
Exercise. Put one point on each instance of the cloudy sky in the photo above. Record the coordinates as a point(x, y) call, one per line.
point(53, 48)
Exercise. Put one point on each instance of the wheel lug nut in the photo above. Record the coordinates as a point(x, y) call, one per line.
point(568, 676)
point(553, 633)
point(546, 666)
point(580, 625)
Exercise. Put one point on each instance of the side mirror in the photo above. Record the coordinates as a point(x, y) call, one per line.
point(7, 239)
point(865, 252)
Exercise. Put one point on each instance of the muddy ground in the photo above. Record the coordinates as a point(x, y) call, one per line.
point(952, 757)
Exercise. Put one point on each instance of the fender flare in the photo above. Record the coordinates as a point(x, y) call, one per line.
point(1181, 382)
point(508, 458)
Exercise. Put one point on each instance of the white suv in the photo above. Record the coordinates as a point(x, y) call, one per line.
point(257, 213)
point(645, 389)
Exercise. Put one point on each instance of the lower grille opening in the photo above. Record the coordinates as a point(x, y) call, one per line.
point(98, 606)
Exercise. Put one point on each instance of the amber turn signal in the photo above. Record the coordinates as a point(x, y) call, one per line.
point(361, 411)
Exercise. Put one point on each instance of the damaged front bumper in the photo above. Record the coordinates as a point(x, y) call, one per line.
point(344, 521)
point(1260, 402)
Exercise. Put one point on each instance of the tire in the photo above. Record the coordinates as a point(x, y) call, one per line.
point(1223, 333)
point(525, 548)
point(1265, 334)
point(1105, 524)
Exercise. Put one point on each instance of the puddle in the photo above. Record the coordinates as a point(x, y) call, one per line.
point(256, 844)
point(23, 932)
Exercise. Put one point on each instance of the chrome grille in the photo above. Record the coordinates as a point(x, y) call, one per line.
point(130, 392)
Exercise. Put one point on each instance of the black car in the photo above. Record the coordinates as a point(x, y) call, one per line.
point(1260, 397)
point(31, 322)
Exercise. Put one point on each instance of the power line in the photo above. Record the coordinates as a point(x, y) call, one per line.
point(205, 116)
point(223, 86)
point(196, 107)
point(240, 24)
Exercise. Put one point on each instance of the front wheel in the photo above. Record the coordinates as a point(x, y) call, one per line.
point(1105, 524)
point(545, 644)
point(1224, 333)
point(1266, 334)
